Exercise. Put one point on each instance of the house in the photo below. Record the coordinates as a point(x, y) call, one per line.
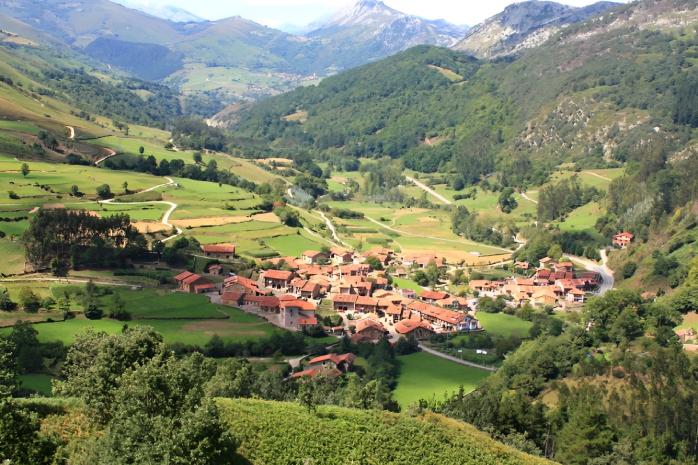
point(370, 329)
point(297, 314)
point(313, 256)
point(623, 239)
point(204, 288)
point(344, 302)
point(311, 290)
point(441, 318)
point(522, 265)
point(232, 299)
point(432, 296)
point(407, 293)
point(215, 270)
point(482, 286)
point(277, 279)
point(419, 329)
point(311, 373)
point(341, 255)
point(357, 269)
point(219, 251)
point(265, 303)
point(332, 362)
point(564, 267)
point(546, 261)
point(575, 295)
point(244, 285)
point(188, 281)
point(685, 334)
point(366, 304)
point(459, 303)
point(546, 296)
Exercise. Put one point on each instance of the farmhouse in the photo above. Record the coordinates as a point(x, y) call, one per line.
point(341, 255)
point(188, 281)
point(215, 270)
point(432, 296)
point(277, 279)
point(244, 285)
point(418, 329)
point(623, 239)
point(575, 295)
point(332, 362)
point(232, 299)
point(313, 256)
point(311, 290)
point(370, 329)
point(685, 335)
point(219, 251)
point(265, 303)
point(344, 302)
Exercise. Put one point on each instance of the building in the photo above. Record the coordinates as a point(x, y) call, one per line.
point(332, 362)
point(341, 255)
point(685, 335)
point(219, 251)
point(244, 285)
point(575, 295)
point(313, 256)
point(623, 239)
point(297, 314)
point(188, 281)
point(311, 290)
point(366, 304)
point(204, 288)
point(370, 329)
point(418, 329)
point(277, 279)
point(264, 303)
point(408, 293)
point(215, 270)
point(232, 299)
point(432, 296)
point(344, 302)
point(564, 267)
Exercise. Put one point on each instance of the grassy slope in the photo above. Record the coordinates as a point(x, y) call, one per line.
point(503, 325)
point(423, 376)
point(285, 433)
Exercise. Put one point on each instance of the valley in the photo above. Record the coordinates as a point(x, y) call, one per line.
point(497, 256)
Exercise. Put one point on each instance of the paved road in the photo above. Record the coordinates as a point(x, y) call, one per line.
point(166, 217)
point(456, 359)
point(606, 273)
point(429, 190)
point(434, 238)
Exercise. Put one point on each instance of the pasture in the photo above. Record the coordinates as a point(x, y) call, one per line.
point(425, 376)
point(502, 325)
point(38, 383)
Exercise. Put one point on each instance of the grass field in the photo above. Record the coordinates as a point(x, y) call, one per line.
point(12, 254)
point(407, 284)
point(156, 303)
point(294, 244)
point(39, 383)
point(503, 325)
point(423, 376)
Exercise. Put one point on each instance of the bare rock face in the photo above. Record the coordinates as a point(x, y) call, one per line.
point(524, 25)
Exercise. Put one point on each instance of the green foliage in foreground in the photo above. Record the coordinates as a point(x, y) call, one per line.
point(269, 433)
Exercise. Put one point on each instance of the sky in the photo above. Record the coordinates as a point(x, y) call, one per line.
point(275, 13)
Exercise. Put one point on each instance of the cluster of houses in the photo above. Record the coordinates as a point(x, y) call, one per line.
point(550, 284)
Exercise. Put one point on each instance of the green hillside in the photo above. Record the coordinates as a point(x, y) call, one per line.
point(285, 433)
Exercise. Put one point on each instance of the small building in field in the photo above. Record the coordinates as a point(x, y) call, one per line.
point(313, 256)
point(188, 281)
point(215, 270)
point(332, 362)
point(419, 329)
point(219, 251)
point(685, 334)
point(407, 293)
point(623, 239)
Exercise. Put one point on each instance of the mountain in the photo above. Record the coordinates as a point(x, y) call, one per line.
point(369, 30)
point(524, 25)
point(587, 99)
point(169, 12)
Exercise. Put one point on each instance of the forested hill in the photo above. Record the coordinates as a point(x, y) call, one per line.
point(588, 96)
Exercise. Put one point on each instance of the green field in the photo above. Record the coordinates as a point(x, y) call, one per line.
point(155, 303)
point(407, 284)
point(39, 383)
point(294, 245)
point(503, 325)
point(423, 376)
point(12, 254)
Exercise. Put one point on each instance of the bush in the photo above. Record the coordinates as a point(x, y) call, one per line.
point(48, 302)
point(92, 312)
point(629, 270)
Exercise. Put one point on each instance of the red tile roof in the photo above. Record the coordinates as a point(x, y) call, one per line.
point(406, 326)
point(368, 323)
point(236, 296)
point(312, 253)
point(345, 298)
point(219, 248)
point(278, 274)
point(307, 321)
point(199, 287)
point(300, 374)
point(183, 275)
point(361, 300)
point(301, 304)
point(191, 279)
point(336, 359)
point(433, 295)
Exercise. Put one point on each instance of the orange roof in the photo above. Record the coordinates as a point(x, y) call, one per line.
point(219, 248)
point(300, 374)
point(361, 300)
point(183, 275)
point(406, 326)
point(278, 274)
point(310, 287)
point(433, 295)
point(479, 283)
point(236, 296)
point(205, 286)
point(624, 234)
point(368, 323)
point(287, 297)
point(393, 310)
point(345, 298)
point(312, 253)
point(302, 304)
point(192, 279)
point(337, 359)
point(307, 321)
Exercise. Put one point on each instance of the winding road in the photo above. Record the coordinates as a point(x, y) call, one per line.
point(166, 217)
point(607, 280)
point(331, 227)
point(429, 190)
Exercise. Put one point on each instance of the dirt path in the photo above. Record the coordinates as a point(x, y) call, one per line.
point(429, 190)
point(432, 237)
point(72, 131)
point(529, 198)
point(331, 226)
point(456, 359)
point(166, 217)
point(598, 175)
point(111, 154)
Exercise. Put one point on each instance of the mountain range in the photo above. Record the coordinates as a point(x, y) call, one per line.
point(169, 12)
point(240, 59)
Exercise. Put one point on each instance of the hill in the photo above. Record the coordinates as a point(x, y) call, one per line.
point(524, 25)
point(267, 432)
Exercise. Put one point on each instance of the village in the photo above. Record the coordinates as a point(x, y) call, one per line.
point(372, 308)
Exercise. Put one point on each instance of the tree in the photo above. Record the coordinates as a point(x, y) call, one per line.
point(125, 186)
point(141, 150)
point(104, 191)
point(93, 312)
point(507, 202)
point(197, 157)
point(56, 267)
point(29, 300)
point(6, 303)
point(27, 350)
point(374, 262)
point(25, 169)
point(555, 252)
point(74, 190)
point(307, 393)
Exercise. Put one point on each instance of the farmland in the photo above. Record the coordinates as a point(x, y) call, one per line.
point(424, 376)
point(503, 325)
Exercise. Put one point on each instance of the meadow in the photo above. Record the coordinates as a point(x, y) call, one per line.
point(425, 376)
point(503, 325)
